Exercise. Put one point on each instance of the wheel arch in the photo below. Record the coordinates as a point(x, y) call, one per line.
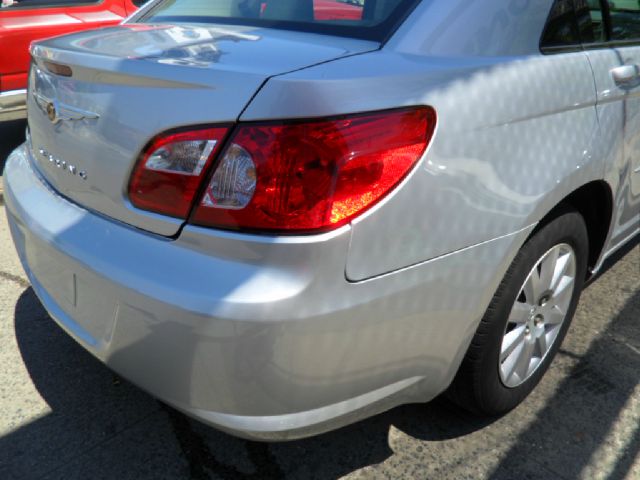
point(594, 201)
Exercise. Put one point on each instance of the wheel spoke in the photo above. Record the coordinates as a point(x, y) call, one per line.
point(562, 263)
point(532, 287)
point(554, 316)
point(524, 360)
point(542, 344)
point(519, 313)
point(510, 363)
point(511, 340)
point(548, 268)
point(563, 290)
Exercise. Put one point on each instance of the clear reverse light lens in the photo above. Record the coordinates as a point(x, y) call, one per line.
point(186, 158)
point(234, 183)
point(171, 169)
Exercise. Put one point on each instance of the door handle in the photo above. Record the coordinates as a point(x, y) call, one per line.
point(626, 76)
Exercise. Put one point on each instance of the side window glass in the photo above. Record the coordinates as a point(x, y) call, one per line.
point(561, 29)
point(590, 21)
point(625, 19)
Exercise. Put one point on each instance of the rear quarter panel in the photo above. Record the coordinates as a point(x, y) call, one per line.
point(514, 135)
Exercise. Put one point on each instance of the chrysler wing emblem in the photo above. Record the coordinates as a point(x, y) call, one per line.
point(61, 112)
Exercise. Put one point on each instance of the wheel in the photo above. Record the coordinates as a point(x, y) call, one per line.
point(526, 320)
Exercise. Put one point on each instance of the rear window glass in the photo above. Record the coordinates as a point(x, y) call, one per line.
point(368, 19)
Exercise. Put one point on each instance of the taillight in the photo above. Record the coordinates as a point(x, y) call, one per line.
point(313, 175)
point(170, 170)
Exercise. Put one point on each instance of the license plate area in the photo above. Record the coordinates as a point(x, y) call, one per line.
point(74, 290)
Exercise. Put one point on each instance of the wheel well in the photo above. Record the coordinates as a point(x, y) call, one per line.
point(594, 201)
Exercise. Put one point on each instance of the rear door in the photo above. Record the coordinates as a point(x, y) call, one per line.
point(611, 32)
point(625, 33)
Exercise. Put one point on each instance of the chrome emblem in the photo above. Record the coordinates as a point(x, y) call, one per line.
point(58, 112)
point(61, 164)
point(51, 112)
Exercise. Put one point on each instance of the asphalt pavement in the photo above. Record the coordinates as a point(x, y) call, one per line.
point(63, 415)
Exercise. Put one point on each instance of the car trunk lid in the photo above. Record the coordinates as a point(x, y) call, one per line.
point(97, 98)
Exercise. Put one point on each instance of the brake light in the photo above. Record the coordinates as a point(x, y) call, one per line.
point(170, 170)
point(314, 175)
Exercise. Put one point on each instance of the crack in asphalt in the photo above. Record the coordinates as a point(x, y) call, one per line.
point(623, 341)
point(15, 279)
point(200, 458)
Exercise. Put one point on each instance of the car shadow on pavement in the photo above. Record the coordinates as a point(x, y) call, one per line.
point(100, 426)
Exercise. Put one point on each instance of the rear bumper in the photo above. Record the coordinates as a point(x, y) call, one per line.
point(13, 105)
point(259, 336)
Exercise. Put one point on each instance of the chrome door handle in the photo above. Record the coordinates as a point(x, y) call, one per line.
point(626, 75)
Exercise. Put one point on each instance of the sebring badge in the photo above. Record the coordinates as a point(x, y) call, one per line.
point(63, 165)
point(60, 112)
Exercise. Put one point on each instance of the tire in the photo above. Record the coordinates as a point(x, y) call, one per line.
point(524, 318)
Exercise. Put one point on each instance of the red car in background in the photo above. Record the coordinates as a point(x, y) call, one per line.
point(337, 10)
point(22, 21)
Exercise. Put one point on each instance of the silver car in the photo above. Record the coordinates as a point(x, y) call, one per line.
point(284, 216)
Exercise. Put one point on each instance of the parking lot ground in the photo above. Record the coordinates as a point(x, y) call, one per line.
point(63, 415)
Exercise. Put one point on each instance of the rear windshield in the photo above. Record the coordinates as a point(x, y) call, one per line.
point(368, 19)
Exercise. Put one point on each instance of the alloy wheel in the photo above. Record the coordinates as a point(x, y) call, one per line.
point(537, 315)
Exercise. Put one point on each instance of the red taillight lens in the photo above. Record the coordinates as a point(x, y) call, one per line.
point(315, 175)
point(171, 169)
